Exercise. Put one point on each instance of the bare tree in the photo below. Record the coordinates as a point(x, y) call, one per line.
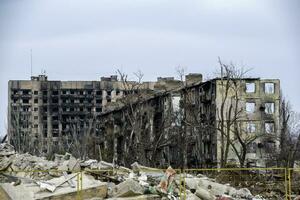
point(289, 135)
point(78, 139)
point(145, 127)
point(21, 128)
point(230, 116)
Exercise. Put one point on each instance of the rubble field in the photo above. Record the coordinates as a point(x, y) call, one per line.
point(28, 177)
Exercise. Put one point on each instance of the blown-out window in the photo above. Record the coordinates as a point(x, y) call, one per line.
point(269, 127)
point(269, 108)
point(251, 127)
point(269, 88)
point(250, 107)
point(250, 87)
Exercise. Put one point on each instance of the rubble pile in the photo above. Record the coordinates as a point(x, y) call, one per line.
point(27, 177)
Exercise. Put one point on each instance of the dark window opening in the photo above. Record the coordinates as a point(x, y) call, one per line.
point(45, 133)
point(25, 100)
point(99, 93)
point(98, 101)
point(25, 92)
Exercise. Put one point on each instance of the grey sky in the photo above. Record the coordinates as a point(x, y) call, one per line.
point(86, 39)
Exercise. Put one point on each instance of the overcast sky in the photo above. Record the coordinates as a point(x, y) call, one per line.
point(83, 40)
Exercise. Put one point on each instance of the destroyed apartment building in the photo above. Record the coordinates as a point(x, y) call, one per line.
point(193, 123)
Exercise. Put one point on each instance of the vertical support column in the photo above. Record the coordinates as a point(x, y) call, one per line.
point(78, 186)
point(80, 189)
point(290, 184)
point(49, 121)
point(59, 114)
point(115, 130)
point(286, 182)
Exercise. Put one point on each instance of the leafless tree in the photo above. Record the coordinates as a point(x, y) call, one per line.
point(21, 129)
point(78, 139)
point(141, 113)
point(230, 116)
point(289, 135)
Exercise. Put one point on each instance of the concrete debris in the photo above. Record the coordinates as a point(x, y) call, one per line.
point(192, 196)
point(6, 149)
point(28, 177)
point(204, 194)
point(50, 186)
point(25, 191)
point(129, 188)
point(93, 164)
point(140, 197)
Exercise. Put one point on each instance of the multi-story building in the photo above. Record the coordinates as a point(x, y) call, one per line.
point(194, 123)
point(40, 111)
point(243, 113)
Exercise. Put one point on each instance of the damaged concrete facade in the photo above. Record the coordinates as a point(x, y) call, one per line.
point(256, 121)
point(42, 112)
point(168, 122)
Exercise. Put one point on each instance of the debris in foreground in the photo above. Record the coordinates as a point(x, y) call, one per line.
point(27, 177)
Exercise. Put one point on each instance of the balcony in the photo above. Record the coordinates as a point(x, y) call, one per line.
point(26, 96)
point(16, 95)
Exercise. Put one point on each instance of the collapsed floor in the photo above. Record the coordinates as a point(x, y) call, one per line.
point(28, 177)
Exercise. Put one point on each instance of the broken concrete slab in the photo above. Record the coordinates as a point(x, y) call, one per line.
point(129, 188)
point(241, 193)
point(148, 171)
point(6, 149)
point(139, 197)
point(3, 195)
point(189, 195)
point(192, 183)
point(89, 163)
point(55, 183)
point(204, 194)
point(216, 189)
point(90, 188)
point(192, 196)
point(5, 163)
point(73, 164)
